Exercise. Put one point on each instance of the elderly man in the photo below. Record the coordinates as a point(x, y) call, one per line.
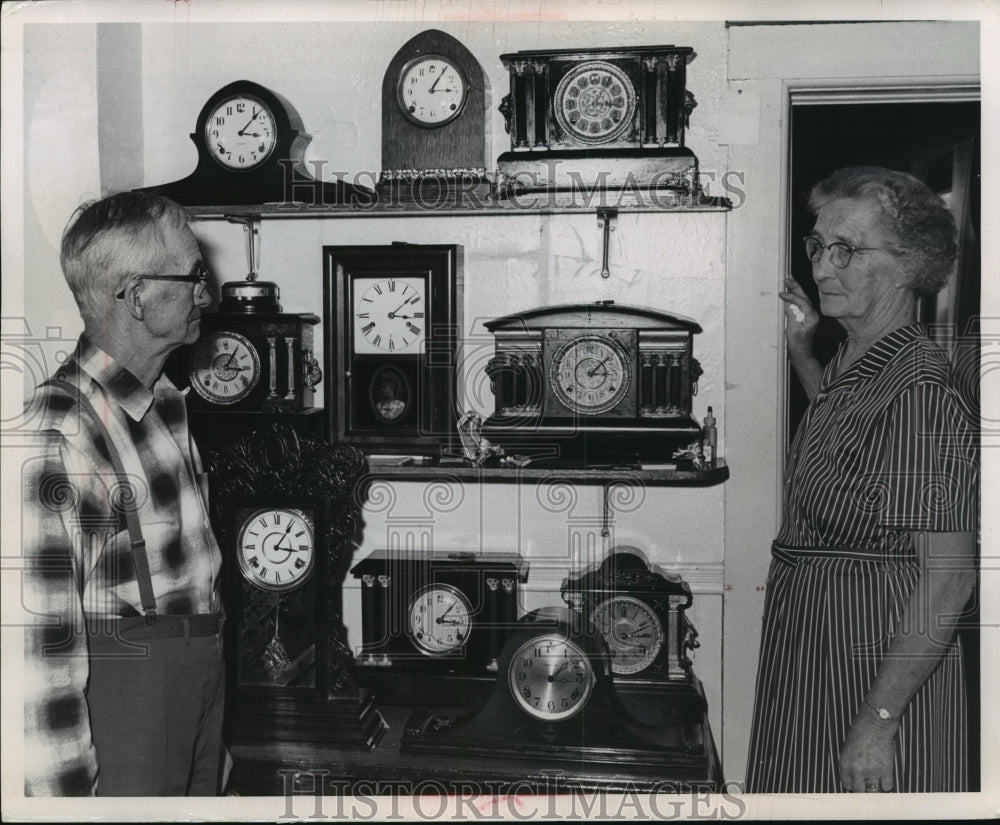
point(124, 676)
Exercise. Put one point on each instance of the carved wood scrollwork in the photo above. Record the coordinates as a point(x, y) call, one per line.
point(280, 461)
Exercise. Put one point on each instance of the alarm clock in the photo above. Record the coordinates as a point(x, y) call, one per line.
point(392, 327)
point(612, 118)
point(601, 382)
point(553, 701)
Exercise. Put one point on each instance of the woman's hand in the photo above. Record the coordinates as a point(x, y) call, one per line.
point(801, 319)
point(866, 758)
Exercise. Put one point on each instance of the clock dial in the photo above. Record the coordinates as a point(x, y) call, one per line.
point(551, 677)
point(276, 548)
point(595, 102)
point(590, 374)
point(632, 630)
point(440, 619)
point(389, 315)
point(241, 132)
point(431, 90)
point(225, 368)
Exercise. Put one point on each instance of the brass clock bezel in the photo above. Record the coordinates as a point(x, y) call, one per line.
point(614, 644)
point(196, 355)
point(516, 691)
point(404, 110)
point(245, 566)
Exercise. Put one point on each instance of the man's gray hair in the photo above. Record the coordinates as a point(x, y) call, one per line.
point(108, 240)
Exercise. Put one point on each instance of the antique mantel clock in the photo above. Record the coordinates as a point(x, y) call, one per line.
point(640, 611)
point(251, 146)
point(283, 505)
point(392, 329)
point(599, 382)
point(605, 117)
point(434, 623)
point(554, 701)
point(252, 363)
point(435, 113)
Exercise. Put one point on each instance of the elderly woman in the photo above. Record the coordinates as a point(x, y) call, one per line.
point(861, 685)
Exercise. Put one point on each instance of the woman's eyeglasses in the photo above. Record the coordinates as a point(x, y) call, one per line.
point(840, 252)
point(199, 274)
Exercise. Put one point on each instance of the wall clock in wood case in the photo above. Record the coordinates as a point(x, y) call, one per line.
point(392, 331)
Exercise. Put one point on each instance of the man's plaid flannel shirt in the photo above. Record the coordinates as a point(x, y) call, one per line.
point(77, 553)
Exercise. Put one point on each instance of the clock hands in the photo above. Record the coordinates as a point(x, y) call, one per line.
point(243, 132)
point(600, 364)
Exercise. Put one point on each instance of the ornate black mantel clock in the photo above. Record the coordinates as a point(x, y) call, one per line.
point(604, 117)
point(640, 612)
point(598, 382)
point(283, 505)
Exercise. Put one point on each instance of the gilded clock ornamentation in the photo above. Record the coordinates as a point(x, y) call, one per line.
point(595, 102)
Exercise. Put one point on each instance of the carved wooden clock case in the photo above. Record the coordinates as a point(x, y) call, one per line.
point(283, 504)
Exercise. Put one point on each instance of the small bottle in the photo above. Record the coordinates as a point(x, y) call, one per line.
point(710, 437)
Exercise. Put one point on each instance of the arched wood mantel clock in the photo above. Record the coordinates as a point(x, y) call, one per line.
point(283, 505)
point(251, 145)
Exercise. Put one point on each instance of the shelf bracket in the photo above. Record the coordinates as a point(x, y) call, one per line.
point(607, 219)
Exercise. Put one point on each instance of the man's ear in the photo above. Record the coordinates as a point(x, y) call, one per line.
point(133, 300)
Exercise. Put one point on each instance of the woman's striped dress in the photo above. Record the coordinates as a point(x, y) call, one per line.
point(884, 449)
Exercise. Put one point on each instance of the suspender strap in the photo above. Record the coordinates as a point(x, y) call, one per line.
point(139, 558)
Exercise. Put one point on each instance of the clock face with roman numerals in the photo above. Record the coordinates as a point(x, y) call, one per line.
point(276, 548)
point(389, 315)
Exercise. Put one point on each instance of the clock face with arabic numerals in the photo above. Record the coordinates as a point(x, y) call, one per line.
point(276, 548)
point(440, 619)
point(240, 132)
point(590, 374)
point(550, 677)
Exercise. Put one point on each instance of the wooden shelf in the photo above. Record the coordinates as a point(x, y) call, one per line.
point(474, 204)
point(458, 470)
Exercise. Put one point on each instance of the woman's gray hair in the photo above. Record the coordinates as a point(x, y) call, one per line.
point(923, 225)
point(108, 240)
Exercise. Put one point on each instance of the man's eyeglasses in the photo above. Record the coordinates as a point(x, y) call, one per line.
point(199, 274)
point(840, 252)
